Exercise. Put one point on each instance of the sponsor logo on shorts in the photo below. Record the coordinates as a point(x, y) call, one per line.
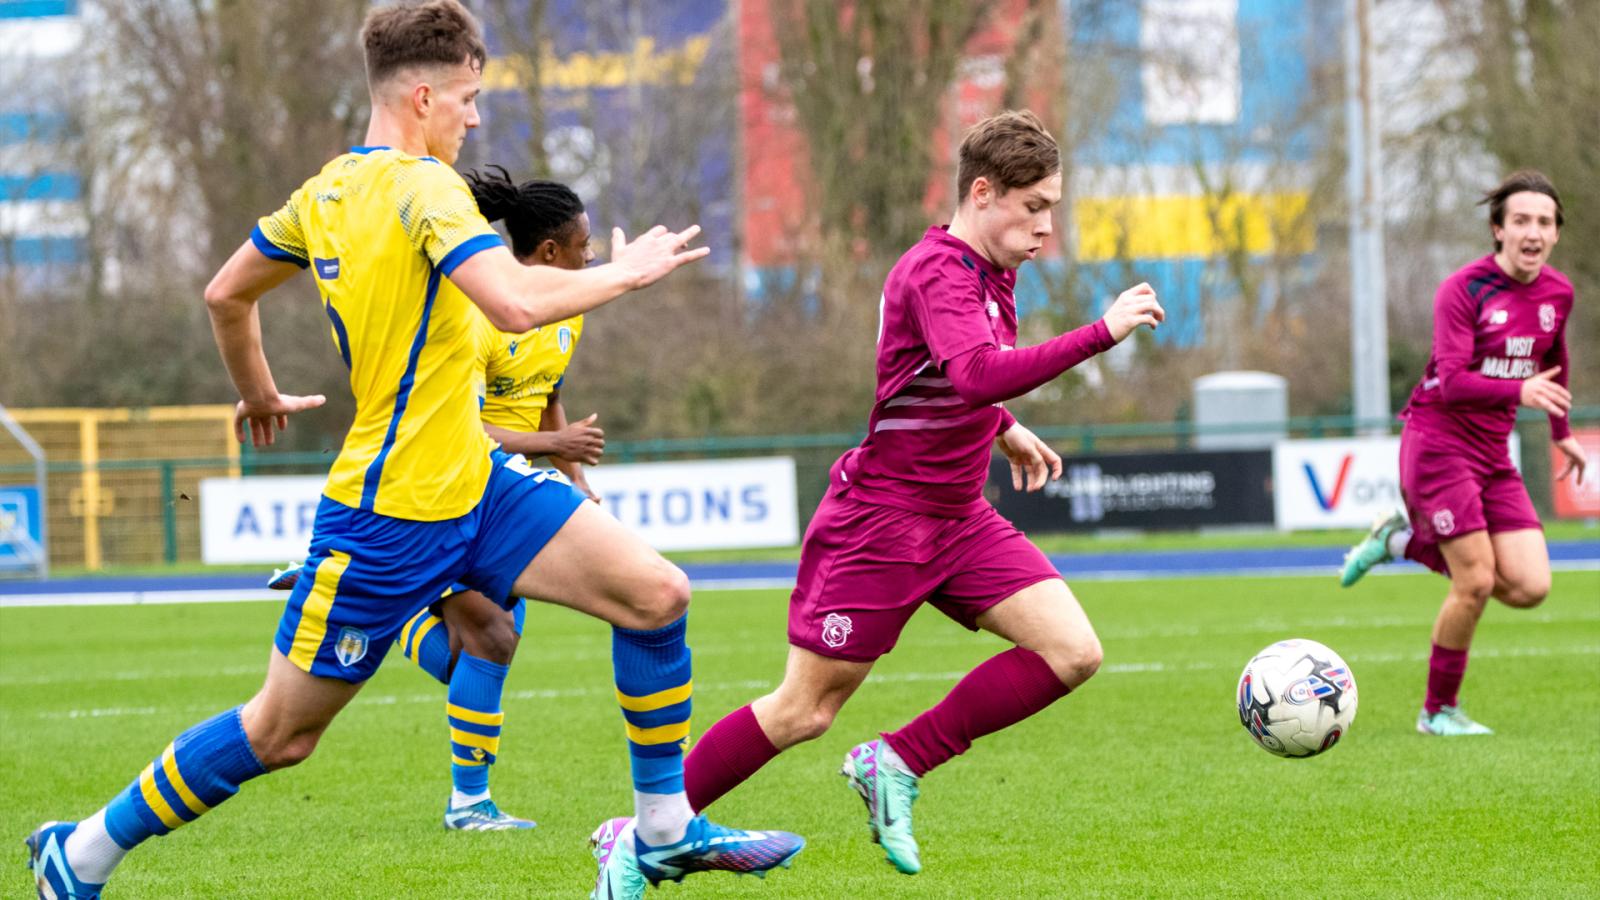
point(836, 629)
point(1444, 521)
point(351, 647)
point(1547, 316)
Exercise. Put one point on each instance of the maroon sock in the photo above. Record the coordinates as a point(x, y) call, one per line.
point(1445, 670)
point(730, 752)
point(1001, 691)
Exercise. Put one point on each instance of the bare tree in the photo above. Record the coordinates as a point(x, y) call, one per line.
point(202, 116)
point(868, 81)
point(1530, 101)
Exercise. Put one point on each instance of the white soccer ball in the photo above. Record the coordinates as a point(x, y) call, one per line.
point(1297, 698)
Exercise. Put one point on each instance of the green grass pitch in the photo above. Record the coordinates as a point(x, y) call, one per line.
point(1141, 784)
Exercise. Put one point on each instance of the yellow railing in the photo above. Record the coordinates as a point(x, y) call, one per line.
point(83, 502)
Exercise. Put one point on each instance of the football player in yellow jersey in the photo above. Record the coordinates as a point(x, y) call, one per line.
point(419, 498)
point(467, 640)
point(523, 373)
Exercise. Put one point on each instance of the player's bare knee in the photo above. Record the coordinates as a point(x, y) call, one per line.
point(815, 723)
point(495, 640)
point(1473, 586)
point(1524, 594)
point(1075, 662)
point(282, 751)
point(1074, 658)
point(666, 599)
point(798, 723)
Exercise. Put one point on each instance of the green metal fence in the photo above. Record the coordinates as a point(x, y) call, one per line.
point(132, 536)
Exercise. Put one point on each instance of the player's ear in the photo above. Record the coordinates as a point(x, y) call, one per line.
point(546, 253)
point(422, 98)
point(981, 191)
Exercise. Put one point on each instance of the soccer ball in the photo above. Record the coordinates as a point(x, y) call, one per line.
point(1297, 698)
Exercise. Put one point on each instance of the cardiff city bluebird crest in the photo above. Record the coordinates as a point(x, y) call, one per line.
point(1444, 521)
point(351, 646)
point(836, 629)
point(1547, 316)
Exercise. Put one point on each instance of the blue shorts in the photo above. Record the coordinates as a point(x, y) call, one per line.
point(367, 574)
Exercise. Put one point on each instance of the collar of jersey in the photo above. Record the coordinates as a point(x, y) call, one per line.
point(365, 150)
point(941, 234)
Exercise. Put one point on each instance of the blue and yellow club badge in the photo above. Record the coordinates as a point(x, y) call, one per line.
point(351, 646)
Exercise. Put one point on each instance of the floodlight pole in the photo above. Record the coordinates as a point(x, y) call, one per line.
point(1369, 334)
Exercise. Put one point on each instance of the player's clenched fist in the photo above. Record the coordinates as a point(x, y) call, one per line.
point(652, 255)
point(1134, 307)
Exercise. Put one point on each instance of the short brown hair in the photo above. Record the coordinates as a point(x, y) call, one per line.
point(1011, 149)
point(438, 32)
point(1516, 183)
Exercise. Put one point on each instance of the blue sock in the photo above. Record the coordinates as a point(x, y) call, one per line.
point(654, 687)
point(201, 768)
point(475, 720)
point(425, 640)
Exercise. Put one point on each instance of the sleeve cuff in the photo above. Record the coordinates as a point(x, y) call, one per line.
point(273, 251)
point(1560, 428)
point(466, 250)
point(1102, 336)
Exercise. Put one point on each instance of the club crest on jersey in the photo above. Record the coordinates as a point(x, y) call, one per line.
point(1499, 317)
point(836, 629)
point(1547, 316)
point(564, 338)
point(1444, 521)
point(351, 647)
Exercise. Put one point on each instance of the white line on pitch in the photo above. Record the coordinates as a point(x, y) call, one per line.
point(1136, 668)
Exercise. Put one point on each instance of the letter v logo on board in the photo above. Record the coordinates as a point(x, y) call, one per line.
point(1331, 500)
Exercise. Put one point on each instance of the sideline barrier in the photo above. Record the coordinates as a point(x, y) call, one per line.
point(705, 505)
point(124, 483)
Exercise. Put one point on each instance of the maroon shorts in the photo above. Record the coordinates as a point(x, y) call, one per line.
point(864, 569)
point(1449, 493)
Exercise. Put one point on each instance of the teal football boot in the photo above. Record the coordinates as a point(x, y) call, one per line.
point(1373, 549)
point(1449, 721)
point(888, 792)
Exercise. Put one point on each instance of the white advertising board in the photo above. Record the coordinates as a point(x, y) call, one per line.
point(1339, 482)
point(703, 504)
point(692, 505)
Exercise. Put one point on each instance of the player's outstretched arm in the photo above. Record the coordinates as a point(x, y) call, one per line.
point(519, 298)
point(986, 375)
point(235, 323)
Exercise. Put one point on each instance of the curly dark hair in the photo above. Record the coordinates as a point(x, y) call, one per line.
point(534, 211)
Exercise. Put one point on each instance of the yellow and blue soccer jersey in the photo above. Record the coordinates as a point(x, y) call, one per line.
point(517, 372)
point(382, 230)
